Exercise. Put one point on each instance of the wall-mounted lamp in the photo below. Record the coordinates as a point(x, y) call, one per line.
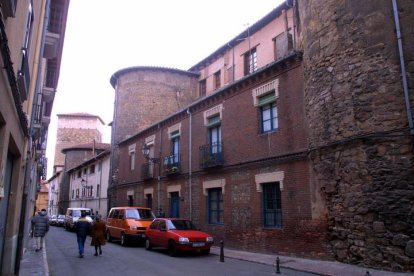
point(84, 183)
point(145, 151)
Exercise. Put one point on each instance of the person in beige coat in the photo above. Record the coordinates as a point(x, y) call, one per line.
point(98, 234)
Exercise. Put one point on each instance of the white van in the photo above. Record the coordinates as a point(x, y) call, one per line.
point(72, 216)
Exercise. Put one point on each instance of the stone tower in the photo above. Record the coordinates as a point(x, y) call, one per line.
point(144, 96)
point(360, 125)
point(74, 129)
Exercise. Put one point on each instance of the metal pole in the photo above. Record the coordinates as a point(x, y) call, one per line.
point(222, 251)
point(277, 265)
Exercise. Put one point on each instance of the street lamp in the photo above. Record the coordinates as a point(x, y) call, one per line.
point(146, 152)
point(84, 184)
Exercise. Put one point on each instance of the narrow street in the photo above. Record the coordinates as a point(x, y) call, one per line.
point(62, 256)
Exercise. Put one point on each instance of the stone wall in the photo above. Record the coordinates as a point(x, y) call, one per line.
point(361, 150)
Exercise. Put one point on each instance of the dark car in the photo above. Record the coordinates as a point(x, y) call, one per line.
point(177, 234)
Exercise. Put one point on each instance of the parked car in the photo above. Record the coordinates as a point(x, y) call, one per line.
point(177, 234)
point(53, 220)
point(60, 220)
point(72, 216)
point(128, 224)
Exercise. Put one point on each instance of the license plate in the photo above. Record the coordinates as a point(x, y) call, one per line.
point(198, 244)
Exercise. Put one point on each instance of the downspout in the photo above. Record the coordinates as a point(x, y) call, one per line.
point(29, 162)
point(403, 72)
point(159, 174)
point(189, 162)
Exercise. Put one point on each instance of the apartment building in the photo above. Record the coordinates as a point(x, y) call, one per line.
point(300, 140)
point(88, 180)
point(234, 160)
point(31, 37)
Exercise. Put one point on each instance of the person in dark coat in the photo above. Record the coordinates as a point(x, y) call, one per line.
point(98, 234)
point(40, 226)
point(82, 229)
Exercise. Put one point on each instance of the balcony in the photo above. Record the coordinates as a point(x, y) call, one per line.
point(172, 164)
point(51, 46)
point(211, 155)
point(23, 77)
point(147, 171)
point(48, 94)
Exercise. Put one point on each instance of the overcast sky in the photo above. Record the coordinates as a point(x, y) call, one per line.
point(104, 36)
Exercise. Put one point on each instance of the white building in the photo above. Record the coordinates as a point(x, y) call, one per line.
point(54, 189)
point(89, 184)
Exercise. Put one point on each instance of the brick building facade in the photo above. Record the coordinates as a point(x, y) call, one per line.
point(310, 157)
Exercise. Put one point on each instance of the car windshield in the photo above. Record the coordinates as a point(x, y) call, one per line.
point(61, 216)
point(139, 214)
point(77, 213)
point(180, 225)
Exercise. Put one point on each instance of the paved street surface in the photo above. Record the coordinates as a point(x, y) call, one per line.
point(62, 259)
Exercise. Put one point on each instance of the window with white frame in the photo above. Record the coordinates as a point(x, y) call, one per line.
point(265, 99)
point(131, 153)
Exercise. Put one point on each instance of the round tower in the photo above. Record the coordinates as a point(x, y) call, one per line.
point(360, 125)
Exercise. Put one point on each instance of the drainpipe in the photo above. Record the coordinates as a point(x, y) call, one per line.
point(159, 173)
point(189, 162)
point(404, 75)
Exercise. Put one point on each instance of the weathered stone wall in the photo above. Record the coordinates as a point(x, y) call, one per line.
point(361, 150)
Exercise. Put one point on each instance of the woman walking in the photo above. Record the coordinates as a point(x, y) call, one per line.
point(98, 234)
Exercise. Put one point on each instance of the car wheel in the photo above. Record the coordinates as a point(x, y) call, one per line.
point(108, 236)
point(123, 240)
point(205, 251)
point(148, 245)
point(172, 249)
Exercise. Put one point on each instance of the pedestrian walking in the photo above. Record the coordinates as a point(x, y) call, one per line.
point(40, 226)
point(98, 234)
point(82, 229)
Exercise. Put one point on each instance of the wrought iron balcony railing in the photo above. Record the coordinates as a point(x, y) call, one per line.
point(211, 155)
point(172, 164)
point(147, 170)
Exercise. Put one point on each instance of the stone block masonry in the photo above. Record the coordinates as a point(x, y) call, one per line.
point(361, 150)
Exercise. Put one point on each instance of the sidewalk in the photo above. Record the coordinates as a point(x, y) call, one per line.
point(35, 263)
point(306, 265)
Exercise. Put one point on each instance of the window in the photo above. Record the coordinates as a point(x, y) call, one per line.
point(77, 193)
point(98, 190)
point(215, 139)
point(149, 201)
point(202, 87)
point(73, 194)
point(272, 205)
point(217, 79)
point(92, 169)
point(79, 174)
point(131, 153)
point(130, 200)
point(132, 160)
point(85, 171)
point(250, 61)
point(99, 166)
point(268, 117)
point(175, 148)
point(215, 206)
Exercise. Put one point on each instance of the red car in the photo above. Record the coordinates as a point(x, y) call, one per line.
point(177, 234)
